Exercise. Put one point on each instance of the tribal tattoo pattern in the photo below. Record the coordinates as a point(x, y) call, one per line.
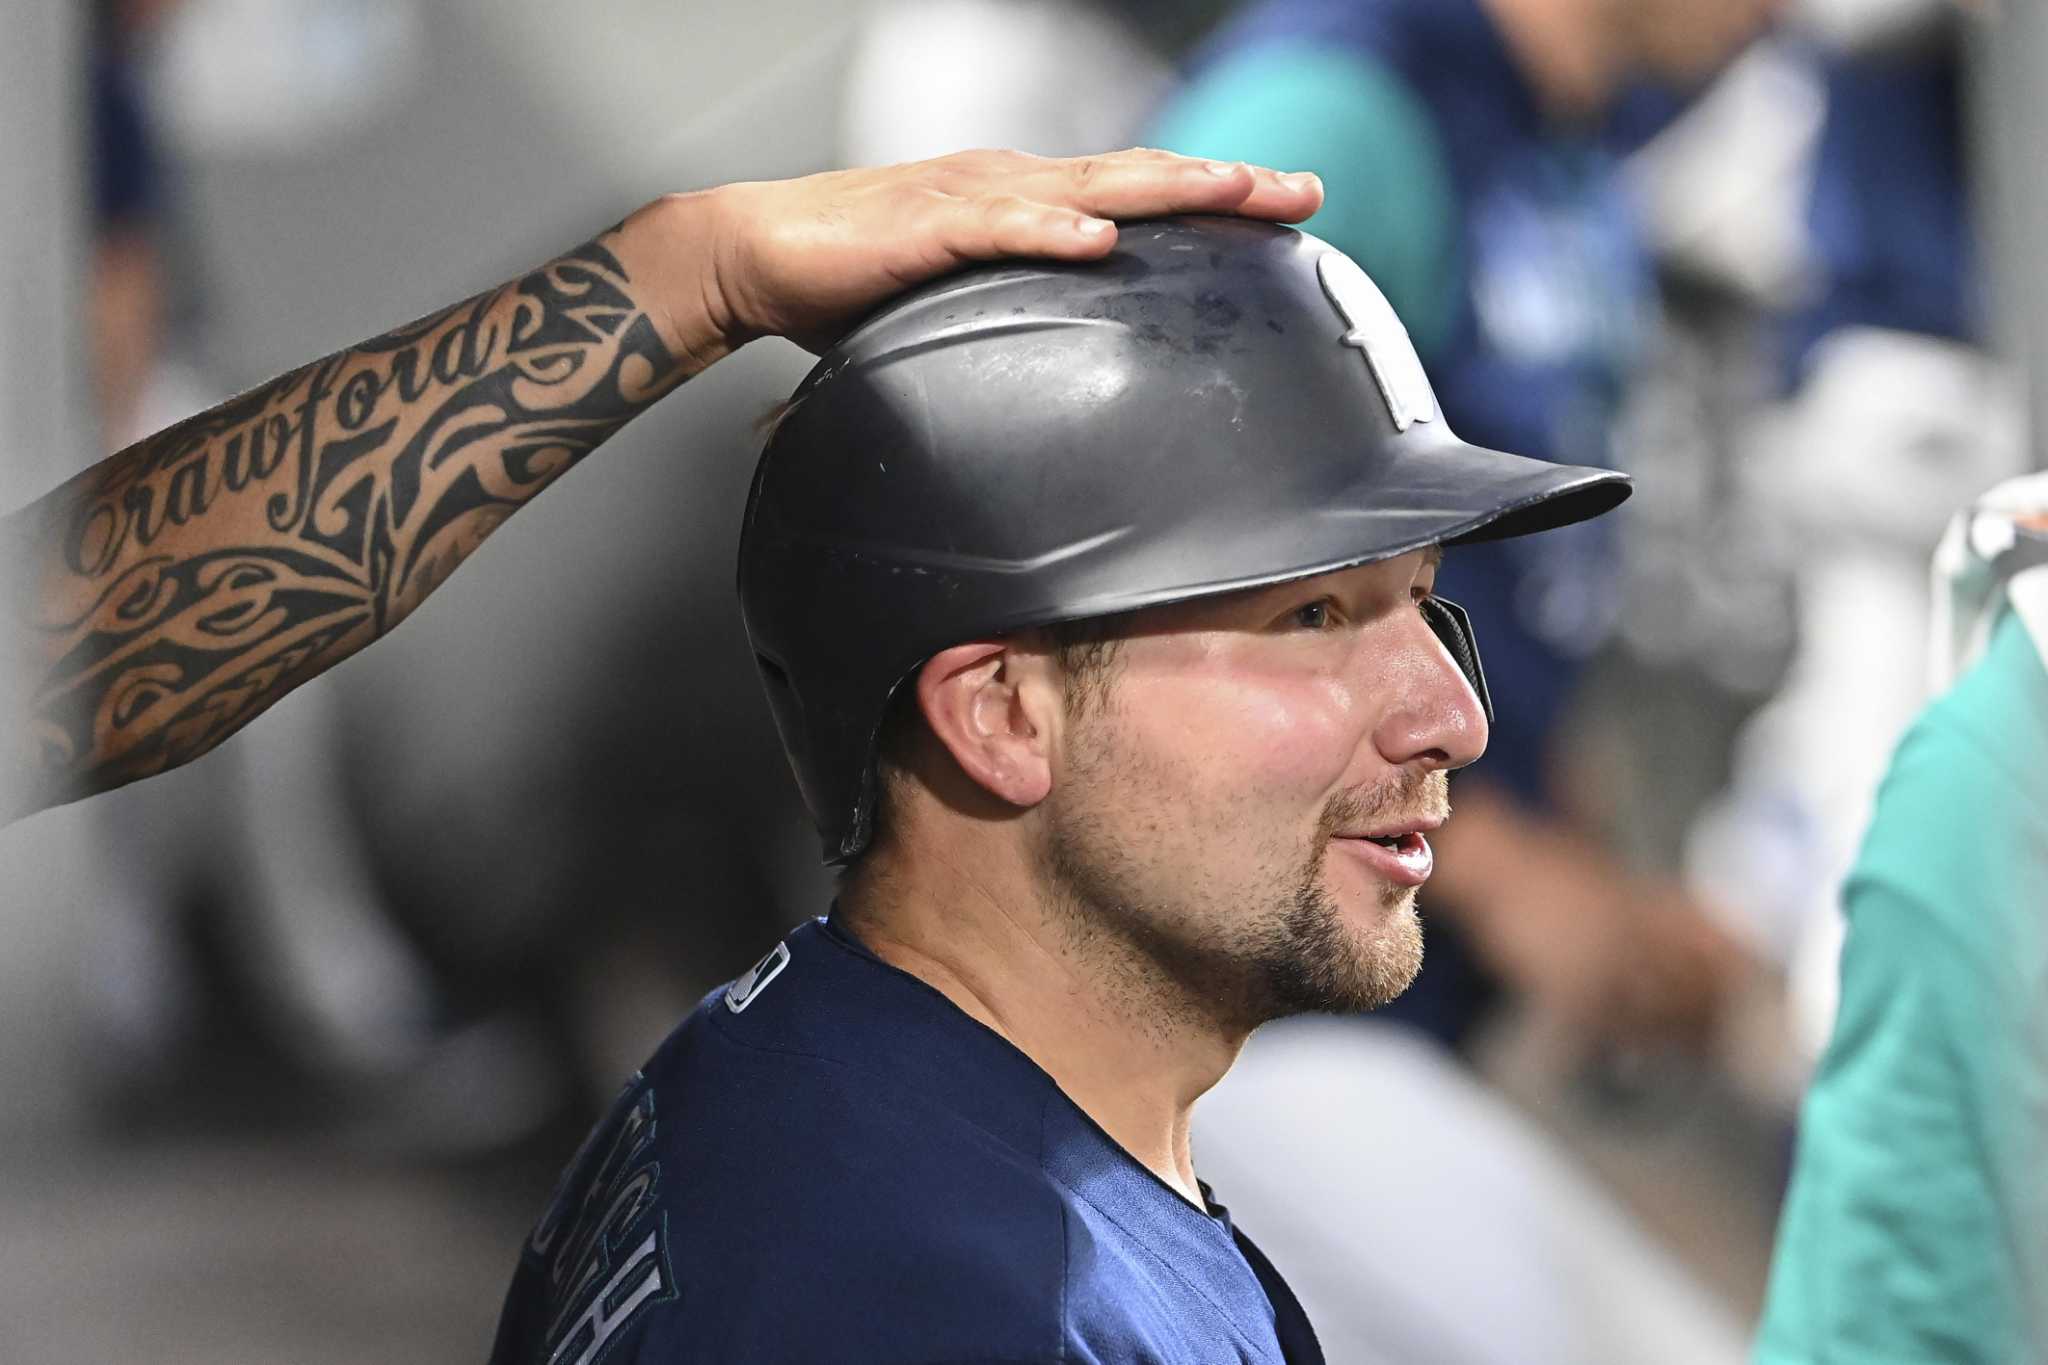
point(354, 486)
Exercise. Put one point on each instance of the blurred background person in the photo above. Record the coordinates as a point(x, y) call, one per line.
point(1892, 409)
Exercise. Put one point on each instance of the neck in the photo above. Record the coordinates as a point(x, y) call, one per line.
point(1566, 51)
point(978, 928)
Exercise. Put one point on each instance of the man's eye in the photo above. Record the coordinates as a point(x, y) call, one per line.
point(1314, 616)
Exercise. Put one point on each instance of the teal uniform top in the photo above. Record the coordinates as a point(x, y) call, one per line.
point(1916, 1228)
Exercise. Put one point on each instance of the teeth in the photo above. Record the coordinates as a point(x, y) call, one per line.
point(1387, 840)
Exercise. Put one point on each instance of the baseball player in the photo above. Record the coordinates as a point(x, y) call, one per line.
point(166, 596)
point(1094, 605)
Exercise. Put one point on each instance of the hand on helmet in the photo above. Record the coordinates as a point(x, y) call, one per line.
point(806, 258)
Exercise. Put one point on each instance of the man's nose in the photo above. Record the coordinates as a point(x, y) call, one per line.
point(1433, 717)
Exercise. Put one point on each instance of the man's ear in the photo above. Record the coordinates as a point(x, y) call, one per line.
point(994, 705)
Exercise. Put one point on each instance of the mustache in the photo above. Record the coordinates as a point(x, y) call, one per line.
point(1405, 797)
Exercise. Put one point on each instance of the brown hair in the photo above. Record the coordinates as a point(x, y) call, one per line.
point(1087, 652)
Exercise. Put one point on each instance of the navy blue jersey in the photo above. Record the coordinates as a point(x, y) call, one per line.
point(830, 1162)
point(1889, 213)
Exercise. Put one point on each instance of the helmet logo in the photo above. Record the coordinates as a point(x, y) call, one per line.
point(1376, 330)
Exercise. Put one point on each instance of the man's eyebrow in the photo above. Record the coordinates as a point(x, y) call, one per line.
point(1432, 556)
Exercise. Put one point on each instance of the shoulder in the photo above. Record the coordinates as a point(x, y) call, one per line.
point(1994, 714)
point(1941, 905)
point(852, 1223)
point(1962, 814)
point(1941, 1008)
point(793, 1202)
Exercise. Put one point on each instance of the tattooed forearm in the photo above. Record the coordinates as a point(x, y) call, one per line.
point(184, 585)
point(178, 588)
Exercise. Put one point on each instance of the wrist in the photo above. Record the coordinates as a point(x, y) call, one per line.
point(671, 250)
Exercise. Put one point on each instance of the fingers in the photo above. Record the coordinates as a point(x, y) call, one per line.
point(996, 226)
point(1141, 183)
point(801, 257)
point(1285, 198)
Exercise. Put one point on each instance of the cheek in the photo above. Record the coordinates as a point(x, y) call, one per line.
point(1262, 735)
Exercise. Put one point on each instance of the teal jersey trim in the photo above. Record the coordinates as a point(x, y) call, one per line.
point(1916, 1228)
point(1388, 197)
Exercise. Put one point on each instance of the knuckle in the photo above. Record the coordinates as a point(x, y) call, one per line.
point(912, 177)
point(915, 195)
point(962, 172)
point(999, 207)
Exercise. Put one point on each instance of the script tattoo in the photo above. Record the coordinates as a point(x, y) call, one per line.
point(207, 571)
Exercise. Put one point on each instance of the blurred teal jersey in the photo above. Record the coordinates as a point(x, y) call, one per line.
point(1388, 198)
point(1916, 1228)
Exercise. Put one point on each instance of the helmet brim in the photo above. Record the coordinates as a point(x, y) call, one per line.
point(1404, 499)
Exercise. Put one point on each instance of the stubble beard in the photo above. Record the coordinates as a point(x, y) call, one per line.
point(1293, 951)
point(1318, 962)
point(1326, 966)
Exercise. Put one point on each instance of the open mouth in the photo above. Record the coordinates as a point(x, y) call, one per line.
point(1404, 858)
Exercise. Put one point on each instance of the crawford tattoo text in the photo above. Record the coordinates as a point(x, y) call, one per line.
point(202, 574)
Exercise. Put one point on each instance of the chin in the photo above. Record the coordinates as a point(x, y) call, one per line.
point(1391, 957)
point(1344, 957)
point(1370, 899)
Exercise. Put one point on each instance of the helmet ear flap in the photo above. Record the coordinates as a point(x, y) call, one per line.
point(1454, 628)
